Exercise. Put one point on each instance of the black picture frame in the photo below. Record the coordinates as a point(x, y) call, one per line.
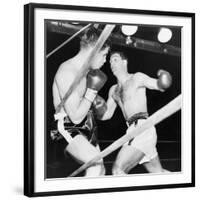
point(30, 79)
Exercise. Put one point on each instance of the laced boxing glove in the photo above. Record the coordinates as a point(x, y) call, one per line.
point(99, 107)
point(95, 81)
point(164, 80)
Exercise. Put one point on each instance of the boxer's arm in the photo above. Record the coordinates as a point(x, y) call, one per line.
point(111, 105)
point(146, 81)
point(76, 107)
point(162, 83)
point(150, 83)
point(56, 95)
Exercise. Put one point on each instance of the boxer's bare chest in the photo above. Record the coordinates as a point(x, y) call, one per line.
point(124, 92)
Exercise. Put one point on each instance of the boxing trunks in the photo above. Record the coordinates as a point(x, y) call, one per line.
point(134, 119)
point(87, 128)
point(146, 141)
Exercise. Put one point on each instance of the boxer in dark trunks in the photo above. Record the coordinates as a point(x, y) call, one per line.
point(76, 122)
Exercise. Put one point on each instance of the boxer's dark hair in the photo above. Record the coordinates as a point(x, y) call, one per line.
point(121, 54)
point(90, 37)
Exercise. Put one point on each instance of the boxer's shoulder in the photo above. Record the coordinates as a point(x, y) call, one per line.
point(138, 75)
point(138, 78)
point(114, 88)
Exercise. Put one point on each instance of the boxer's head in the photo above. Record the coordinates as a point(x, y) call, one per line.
point(118, 63)
point(90, 37)
point(88, 41)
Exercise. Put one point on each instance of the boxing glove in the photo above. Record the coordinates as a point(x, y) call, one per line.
point(99, 107)
point(164, 79)
point(95, 81)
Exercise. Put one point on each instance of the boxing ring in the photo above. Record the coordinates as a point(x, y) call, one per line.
point(65, 165)
point(62, 165)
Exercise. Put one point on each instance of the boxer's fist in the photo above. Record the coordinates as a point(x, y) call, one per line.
point(164, 79)
point(95, 81)
point(99, 106)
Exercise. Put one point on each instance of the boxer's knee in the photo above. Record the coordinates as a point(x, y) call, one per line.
point(154, 166)
point(118, 170)
point(103, 170)
point(165, 170)
point(97, 169)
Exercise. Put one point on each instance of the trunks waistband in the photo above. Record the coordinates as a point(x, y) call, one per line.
point(87, 128)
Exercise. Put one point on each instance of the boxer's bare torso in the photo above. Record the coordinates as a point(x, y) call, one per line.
point(130, 96)
point(64, 78)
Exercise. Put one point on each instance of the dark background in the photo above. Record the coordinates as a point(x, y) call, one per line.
point(168, 131)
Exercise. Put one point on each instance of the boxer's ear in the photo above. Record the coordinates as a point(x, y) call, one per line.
point(125, 62)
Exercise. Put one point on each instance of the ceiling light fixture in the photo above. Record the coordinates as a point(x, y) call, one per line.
point(128, 31)
point(164, 35)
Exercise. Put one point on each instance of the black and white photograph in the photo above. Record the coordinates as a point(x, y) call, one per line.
point(134, 74)
point(110, 94)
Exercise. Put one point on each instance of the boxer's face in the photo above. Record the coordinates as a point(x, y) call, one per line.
point(117, 64)
point(100, 58)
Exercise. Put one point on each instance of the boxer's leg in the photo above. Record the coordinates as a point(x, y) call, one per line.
point(81, 150)
point(127, 158)
point(154, 166)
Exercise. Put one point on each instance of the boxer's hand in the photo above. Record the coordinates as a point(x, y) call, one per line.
point(95, 81)
point(164, 79)
point(99, 106)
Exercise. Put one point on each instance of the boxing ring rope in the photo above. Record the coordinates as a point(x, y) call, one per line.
point(162, 160)
point(166, 111)
point(68, 40)
point(159, 141)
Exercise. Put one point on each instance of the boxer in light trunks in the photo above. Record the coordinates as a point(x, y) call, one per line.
point(130, 95)
point(79, 127)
